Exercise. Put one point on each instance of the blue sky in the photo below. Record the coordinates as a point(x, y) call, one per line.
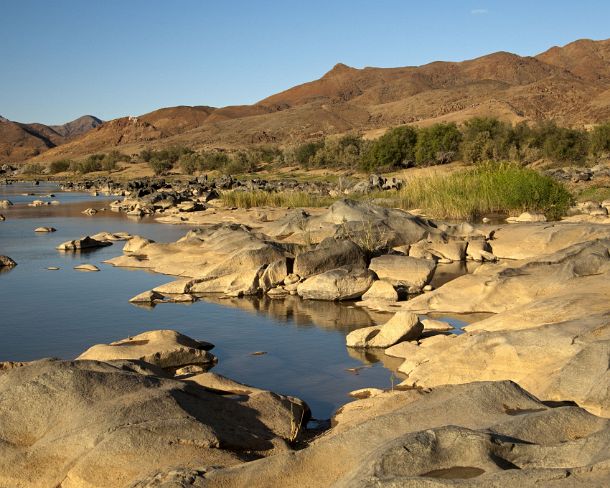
point(64, 58)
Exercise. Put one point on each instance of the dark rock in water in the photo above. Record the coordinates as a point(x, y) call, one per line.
point(82, 243)
point(6, 262)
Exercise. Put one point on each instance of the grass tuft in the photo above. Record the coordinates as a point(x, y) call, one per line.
point(259, 198)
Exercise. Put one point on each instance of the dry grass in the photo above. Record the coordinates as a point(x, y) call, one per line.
point(250, 199)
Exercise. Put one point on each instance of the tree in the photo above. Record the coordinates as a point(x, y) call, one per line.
point(437, 144)
point(396, 148)
point(600, 139)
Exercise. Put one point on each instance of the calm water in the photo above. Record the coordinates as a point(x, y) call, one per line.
point(61, 313)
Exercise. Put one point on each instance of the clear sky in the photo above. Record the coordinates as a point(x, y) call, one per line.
point(64, 58)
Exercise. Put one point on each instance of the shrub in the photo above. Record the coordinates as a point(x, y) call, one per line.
point(488, 188)
point(396, 148)
point(60, 166)
point(342, 152)
point(33, 169)
point(600, 139)
point(214, 160)
point(485, 138)
point(437, 144)
point(160, 166)
point(190, 163)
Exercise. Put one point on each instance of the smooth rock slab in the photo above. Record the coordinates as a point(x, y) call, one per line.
point(412, 273)
point(404, 326)
point(164, 348)
point(337, 284)
point(86, 267)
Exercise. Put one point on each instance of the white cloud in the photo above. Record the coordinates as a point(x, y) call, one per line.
point(479, 11)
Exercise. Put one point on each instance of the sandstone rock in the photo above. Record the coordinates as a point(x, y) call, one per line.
point(176, 287)
point(45, 229)
point(82, 243)
point(274, 274)
point(5, 203)
point(136, 243)
point(431, 325)
point(164, 348)
point(6, 262)
point(2, 218)
point(381, 290)
point(330, 254)
point(86, 267)
point(412, 273)
point(337, 284)
point(52, 268)
point(404, 326)
point(111, 236)
point(89, 211)
point(108, 426)
point(479, 250)
point(527, 217)
point(150, 296)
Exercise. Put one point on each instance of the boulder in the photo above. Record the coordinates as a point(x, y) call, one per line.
point(82, 243)
point(163, 348)
point(329, 254)
point(89, 211)
point(86, 267)
point(5, 203)
point(110, 425)
point(337, 284)
point(403, 271)
point(2, 218)
point(274, 274)
point(45, 229)
point(527, 217)
point(6, 262)
point(431, 325)
point(479, 250)
point(381, 290)
point(404, 326)
point(136, 243)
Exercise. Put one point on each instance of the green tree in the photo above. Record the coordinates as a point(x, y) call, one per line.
point(396, 148)
point(437, 144)
point(600, 139)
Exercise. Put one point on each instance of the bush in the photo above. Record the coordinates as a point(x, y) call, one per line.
point(396, 148)
point(60, 166)
point(342, 152)
point(600, 139)
point(190, 163)
point(484, 139)
point(560, 143)
point(160, 166)
point(33, 169)
point(488, 188)
point(437, 144)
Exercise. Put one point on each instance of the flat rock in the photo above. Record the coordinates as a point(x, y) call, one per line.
point(86, 267)
point(337, 284)
point(163, 348)
point(136, 243)
point(45, 229)
point(410, 272)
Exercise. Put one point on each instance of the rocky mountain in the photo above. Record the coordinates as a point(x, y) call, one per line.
point(19, 141)
point(569, 84)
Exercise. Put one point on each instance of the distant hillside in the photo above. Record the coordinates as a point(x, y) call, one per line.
point(19, 141)
point(569, 84)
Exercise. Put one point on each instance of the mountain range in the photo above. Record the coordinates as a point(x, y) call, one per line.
point(569, 84)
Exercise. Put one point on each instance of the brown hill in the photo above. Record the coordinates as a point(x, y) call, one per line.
point(77, 127)
point(569, 84)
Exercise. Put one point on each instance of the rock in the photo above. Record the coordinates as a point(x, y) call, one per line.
point(2, 218)
point(136, 243)
point(365, 393)
point(52, 268)
point(446, 252)
point(527, 217)
point(182, 298)
point(89, 211)
point(431, 325)
point(38, 203)
point(110, 236)
point(217, 382)
point(479, 250)
point(6, 262)
point(86, 267)
point(82, 243)
point(107, 425)
point(45, 229)
point(190, 370)
point(329, 254)
point(150, 296)
point(412, 273)
point(274, 274)
point(404, 326)
point(163, 348)
point(177, 287)
point(381, 290)
point(337, 284)
point(408, 439)
point(5, 203)
point(292, 279)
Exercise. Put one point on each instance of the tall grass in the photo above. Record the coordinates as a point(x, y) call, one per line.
point(486, 188)
point(259, 198)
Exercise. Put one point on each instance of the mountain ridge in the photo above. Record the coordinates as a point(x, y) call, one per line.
point(569, 84)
